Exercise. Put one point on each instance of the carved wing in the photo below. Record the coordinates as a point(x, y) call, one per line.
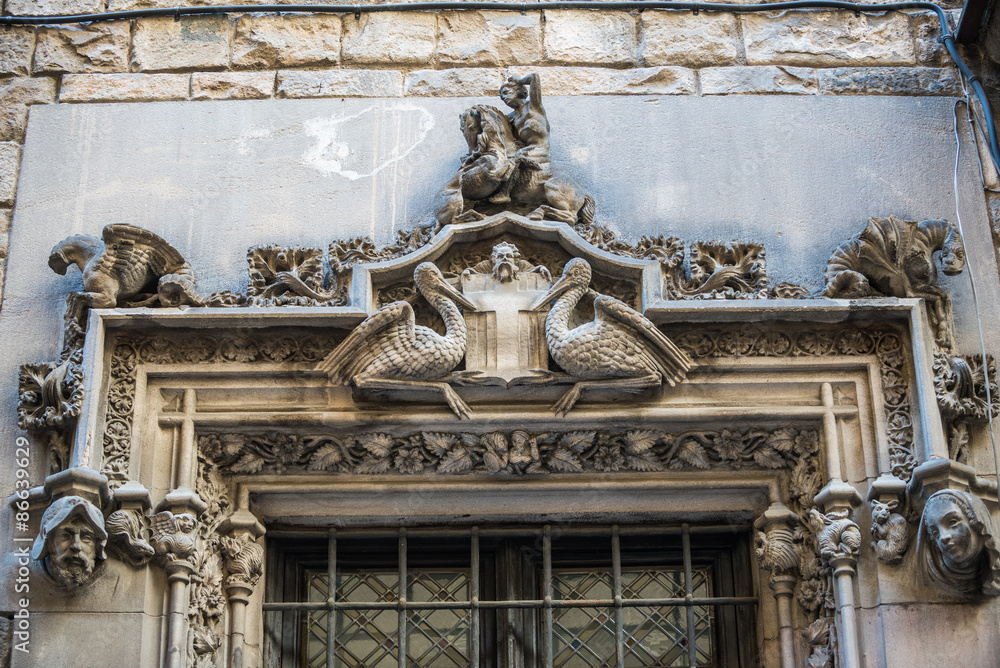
point(673, 362)
point(362, 346)
point(137, 255)
point(162, 527)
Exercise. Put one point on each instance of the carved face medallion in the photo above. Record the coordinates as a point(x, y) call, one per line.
point(949, 528)
point(504, 258)
point(72, 552)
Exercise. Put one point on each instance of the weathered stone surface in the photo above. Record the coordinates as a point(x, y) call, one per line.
point(405, 38)
point(889, 81)
point(101, 47)
point(757, 79)
point(123, 5)
point(282, 41)
point(193, 42)
point(15, 96)
point(461, 82)
point(340, 83)
point(15, 56)
point(602, 81)
point(926, 32)
point(5, 216)
point(53, 7)
point(681, 38)
point(828, 39)
point(488, 38)
point(583, 37)
point(124, 87)
point(10, 160)
point(232, 85)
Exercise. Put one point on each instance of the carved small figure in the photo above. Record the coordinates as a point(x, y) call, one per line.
point(173, 536)
point(775, 550)
point(244, 560)
point(508, 166)
point(960, 554)
point(505, 264)
point(960, 386)
point(894, 258)
point(71, 541)
point(619, 349)
point(390, 351)
point(889, 531)
point(838, 536)
point(125, 536)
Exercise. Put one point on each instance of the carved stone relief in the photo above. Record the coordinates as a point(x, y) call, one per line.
point(50, 396)
point(890, 532)
point(962, 393)
point(70, 542)
point(958, 551)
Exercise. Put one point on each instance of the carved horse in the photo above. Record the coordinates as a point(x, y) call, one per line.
point(894, 258)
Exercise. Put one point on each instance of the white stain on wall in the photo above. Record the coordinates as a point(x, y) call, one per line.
point(363, 144)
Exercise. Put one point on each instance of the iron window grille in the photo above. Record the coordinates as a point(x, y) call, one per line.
point(512, 597)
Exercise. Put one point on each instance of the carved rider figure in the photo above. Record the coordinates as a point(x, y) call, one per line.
point(960, 554)
point(71, 541)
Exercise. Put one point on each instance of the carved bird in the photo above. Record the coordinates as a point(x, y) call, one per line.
point(390, 351)
point(618, 349)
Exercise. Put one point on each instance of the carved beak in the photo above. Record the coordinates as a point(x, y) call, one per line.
point(561, 286)
point(454, 295)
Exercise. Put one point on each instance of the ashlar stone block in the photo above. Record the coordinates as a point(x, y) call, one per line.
point(681, 38)
point(267, 42)
point(828, 39)
point(15, 56)
point(193, 42)
point(340, 83)
point(489, 38)
point(889, 81)
point(604, 81)
point(404, 38)
point(100, 47)
point(584, 37)
point(232, 85)
point(53, 7)
point(15, 96)
point(757, 80)
point(10, 161)
point(124, 87)
point(460, 82)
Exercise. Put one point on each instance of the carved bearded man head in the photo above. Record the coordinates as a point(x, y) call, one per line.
point(505, 258)
point(959, 552)
point(71, 541)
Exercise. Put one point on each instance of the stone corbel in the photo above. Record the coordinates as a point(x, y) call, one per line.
point(890, 530)
point(777, 553)
point(127, 524)
point(244, 560)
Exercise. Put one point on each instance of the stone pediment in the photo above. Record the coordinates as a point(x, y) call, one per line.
point(459, 246)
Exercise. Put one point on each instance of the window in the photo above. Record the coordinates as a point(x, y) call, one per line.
point(522, 597)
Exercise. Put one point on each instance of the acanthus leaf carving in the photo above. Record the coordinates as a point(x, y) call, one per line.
point(50, 396)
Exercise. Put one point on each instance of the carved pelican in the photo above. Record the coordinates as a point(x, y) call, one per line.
point(389, 351)
point(618, 349)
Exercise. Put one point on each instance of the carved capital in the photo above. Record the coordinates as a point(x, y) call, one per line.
point(127, 526)
point(839, 538)
point(774, 545)
point(242, 554)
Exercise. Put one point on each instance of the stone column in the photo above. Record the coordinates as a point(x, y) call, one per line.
point(776, 553)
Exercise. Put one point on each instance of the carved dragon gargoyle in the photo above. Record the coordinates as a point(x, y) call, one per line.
point(894, 258)
point(127, 267)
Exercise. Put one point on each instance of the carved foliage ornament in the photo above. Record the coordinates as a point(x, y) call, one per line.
point(49, 397)
point(515, 453)
point(961, 389)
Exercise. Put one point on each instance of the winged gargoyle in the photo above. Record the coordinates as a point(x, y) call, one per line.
point(128, 266)
point(618, 349)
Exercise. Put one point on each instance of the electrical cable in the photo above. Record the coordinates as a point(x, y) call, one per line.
point(972, 282)
point(947, 36)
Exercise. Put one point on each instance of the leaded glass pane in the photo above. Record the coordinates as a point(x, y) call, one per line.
point(654, 637)
point(369, 638)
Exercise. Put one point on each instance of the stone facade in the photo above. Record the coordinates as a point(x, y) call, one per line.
point(823, 378)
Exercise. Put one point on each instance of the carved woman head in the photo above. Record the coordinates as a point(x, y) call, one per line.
point(959, 552)
point(71, 541)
